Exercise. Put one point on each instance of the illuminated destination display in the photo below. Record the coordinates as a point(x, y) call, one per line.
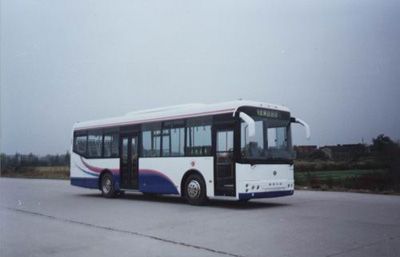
point(267, 113)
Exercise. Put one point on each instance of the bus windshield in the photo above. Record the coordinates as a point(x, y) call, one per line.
point(272, 140)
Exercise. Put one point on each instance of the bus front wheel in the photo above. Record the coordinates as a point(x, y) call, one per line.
point(195, 190)
point(107, 186)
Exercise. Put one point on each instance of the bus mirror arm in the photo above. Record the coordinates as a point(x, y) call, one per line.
point(250, 123)
point(304, 124)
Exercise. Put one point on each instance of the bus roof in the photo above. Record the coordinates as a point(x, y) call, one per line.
point(174, 112)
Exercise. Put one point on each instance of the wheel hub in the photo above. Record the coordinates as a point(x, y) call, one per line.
point(106, 185)
point(194, 189)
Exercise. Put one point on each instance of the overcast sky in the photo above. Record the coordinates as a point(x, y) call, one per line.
point(335, 64)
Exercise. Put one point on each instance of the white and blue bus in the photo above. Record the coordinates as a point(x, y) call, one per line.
point(238, 150)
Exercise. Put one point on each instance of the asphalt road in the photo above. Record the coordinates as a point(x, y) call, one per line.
point(52, 218)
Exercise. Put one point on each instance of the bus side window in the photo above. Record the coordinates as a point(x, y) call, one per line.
point(151, 143)
point(110, 147)
point(198, 140)
point(173, 142)
point(95, 142)
point(80, 144)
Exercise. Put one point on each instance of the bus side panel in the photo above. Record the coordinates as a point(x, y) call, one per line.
point(264, 180)
point(164, 175)
point(85, 172)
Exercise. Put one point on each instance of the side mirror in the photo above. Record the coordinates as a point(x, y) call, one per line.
point(304, 124)
point(250, 124)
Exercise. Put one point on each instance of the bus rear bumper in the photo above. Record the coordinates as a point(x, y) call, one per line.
point(247, 196)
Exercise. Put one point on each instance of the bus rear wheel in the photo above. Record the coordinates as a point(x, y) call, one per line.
point(107, 186)
point(195, 190)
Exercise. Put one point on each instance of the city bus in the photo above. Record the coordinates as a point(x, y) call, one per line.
point(232, 150)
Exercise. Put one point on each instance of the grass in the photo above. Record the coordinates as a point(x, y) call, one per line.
point(46, 172)
point(336, 174)
point(318, 165)
point(378, 180)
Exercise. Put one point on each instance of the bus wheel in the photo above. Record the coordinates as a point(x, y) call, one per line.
point(107, 186)
point(195, 190)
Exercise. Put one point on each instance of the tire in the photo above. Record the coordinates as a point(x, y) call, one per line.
point(195, 190)
point(107, 186)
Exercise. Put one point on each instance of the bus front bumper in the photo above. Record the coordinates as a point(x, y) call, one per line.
point(247, 196)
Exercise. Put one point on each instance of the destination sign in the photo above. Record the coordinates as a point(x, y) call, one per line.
point(268, 113)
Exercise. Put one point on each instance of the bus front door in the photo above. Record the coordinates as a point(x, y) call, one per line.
point(224, 166)
point(129, 162)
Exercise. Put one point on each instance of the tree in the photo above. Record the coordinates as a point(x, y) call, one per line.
point(385, 148)
point(67, 158)
point(388, 152)
point(318, 155)
point(382, 143)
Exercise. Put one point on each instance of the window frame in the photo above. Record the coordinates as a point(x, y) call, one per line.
point(199, 122)
point(79, 133)
point(102, 132)
point(95, 132)
point(150, 127)
point(253, 111)
point(169, 125)
point(118, 135)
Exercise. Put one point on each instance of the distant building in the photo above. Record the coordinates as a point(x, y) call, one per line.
point(303, 151)
point(345, 152)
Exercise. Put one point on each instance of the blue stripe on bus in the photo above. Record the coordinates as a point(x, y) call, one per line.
point(86, 182)
point(246, 196)
point(151, 181)
point(94, 182)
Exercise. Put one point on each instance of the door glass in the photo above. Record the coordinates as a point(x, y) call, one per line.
point(224, 177)
point(134, 157)
point(124, 154)
point(224, 153)
point(134, 148)
point(225, 141)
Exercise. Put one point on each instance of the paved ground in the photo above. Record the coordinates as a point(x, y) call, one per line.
point(45, 217)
